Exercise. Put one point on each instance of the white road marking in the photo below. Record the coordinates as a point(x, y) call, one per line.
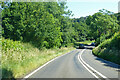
point(86, 65)
point(79, 57)
point(43, 66)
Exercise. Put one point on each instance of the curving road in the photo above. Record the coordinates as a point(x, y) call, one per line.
point(80, 63)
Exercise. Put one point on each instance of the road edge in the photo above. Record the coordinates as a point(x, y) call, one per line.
point(88, 67)
point(27, 76)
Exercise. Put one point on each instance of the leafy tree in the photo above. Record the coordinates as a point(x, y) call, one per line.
point(42, 24)
point(102, 26)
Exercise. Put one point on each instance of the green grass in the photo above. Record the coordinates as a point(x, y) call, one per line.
point(18, 59)
point(86, 42)
point(109, 49)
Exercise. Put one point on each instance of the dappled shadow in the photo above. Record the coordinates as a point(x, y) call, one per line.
point(108, 63)
point(7, 74)
point(80, 48)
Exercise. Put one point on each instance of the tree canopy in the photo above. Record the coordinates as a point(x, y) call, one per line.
point(47, 24)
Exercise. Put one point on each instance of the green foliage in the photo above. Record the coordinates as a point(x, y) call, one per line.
point(118, 17)
point(42, 24)
point(102, 26)
point(68, 32)
point(19, 58)
point(109, 49)
point(81, 29)
point(9, 44)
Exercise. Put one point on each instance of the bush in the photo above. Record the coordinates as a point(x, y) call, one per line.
point(8, 44)
point(109, 49)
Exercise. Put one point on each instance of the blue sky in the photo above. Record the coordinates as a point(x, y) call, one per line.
point(82, 8)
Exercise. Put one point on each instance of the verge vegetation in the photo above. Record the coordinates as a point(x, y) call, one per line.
point(109, 49)
point(86, 42)
point(20, 58)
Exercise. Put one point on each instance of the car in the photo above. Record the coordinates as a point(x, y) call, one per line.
point(92, 44)
point(81, 46)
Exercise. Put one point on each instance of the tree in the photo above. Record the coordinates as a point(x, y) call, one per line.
point(102, 26)
point(42, 24)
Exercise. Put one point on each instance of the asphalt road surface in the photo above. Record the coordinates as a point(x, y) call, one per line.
point(80, 63)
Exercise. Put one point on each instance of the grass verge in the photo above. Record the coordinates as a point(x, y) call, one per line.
point(19, 58)
point(85, 42)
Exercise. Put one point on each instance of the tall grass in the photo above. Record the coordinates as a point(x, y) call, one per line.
point(19, 58)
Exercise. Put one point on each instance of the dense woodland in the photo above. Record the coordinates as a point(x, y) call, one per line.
point(48, 24)
point(41, 24)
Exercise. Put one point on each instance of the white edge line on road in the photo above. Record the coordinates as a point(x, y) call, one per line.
point(83, 62)
point(43, 66)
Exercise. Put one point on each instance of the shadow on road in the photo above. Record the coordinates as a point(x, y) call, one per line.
point(90, 47)
point(108, 63)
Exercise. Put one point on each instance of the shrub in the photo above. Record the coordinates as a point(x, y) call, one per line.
point(109, 49)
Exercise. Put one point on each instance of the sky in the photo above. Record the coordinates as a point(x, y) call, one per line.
point(82, 8)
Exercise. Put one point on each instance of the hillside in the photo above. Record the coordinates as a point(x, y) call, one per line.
point(109, 49)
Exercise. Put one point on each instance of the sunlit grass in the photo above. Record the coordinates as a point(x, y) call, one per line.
point(86, 42)
point(19, 61)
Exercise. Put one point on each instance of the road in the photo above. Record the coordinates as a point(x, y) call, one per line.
point(79, 63)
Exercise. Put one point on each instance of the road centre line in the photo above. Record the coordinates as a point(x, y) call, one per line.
point(88, 66)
